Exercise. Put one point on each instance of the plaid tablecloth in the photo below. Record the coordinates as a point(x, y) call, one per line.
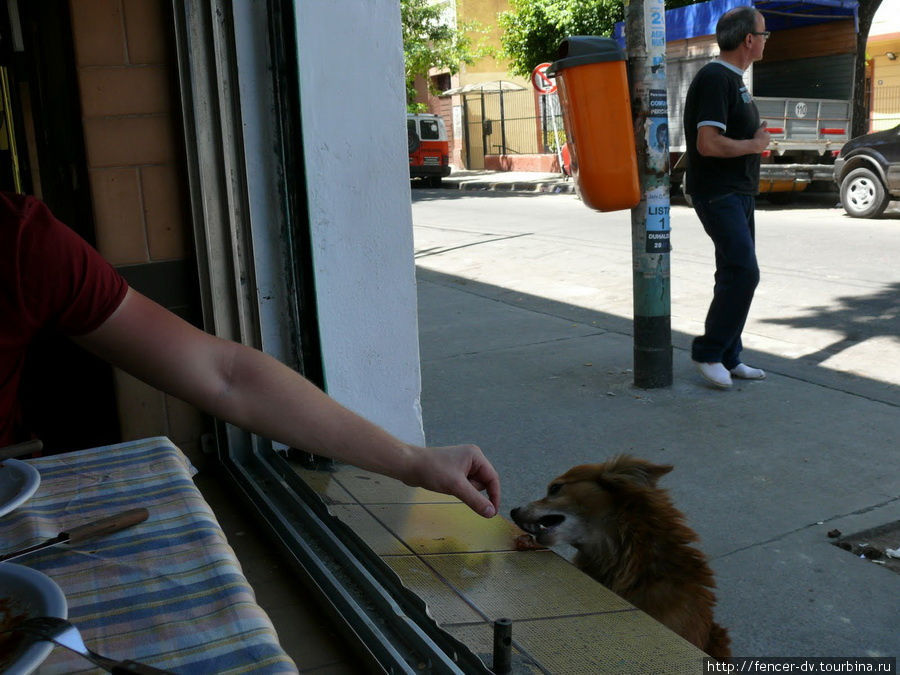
point(169, 591)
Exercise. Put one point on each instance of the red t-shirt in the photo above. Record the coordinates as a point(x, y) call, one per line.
point(50, 279)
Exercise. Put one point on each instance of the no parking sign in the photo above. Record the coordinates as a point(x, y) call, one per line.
point(541, 81)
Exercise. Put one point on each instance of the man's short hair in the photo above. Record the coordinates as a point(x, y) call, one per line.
point(733, 27)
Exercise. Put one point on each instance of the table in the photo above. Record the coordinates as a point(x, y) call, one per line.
point(169, 591)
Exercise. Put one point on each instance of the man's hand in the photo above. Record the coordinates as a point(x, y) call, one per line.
point(762, 137)
point(459, 470)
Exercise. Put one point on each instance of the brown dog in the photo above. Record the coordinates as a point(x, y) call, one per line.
point(632, 540)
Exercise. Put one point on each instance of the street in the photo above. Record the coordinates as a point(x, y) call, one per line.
point(525, 305)
point(829, 289)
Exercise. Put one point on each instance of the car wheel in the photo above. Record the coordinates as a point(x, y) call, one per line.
point(863, 194)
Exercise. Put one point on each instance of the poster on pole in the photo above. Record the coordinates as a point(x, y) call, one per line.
point(658, 221)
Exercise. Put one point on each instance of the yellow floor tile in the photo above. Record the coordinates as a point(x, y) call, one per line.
point(443, 602)
point(524, 585)
point(373, 488)
point(445, 528)
point(325, 484)
point(376, 536)
point(617, 642)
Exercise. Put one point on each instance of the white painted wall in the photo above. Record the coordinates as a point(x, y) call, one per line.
point(353, 106)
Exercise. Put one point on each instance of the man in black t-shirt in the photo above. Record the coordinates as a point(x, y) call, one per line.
point(724, 142)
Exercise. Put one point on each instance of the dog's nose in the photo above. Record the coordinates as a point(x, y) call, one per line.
point(514, 513)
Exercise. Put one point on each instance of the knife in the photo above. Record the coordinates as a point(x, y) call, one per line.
point(97, 528)
point(19, 449)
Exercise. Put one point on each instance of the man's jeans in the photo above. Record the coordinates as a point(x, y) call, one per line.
point(728, 220)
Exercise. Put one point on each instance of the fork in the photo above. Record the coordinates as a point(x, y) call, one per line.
point(63, 633)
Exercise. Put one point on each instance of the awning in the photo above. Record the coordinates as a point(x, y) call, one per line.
point(700, 19)
point(492, 87)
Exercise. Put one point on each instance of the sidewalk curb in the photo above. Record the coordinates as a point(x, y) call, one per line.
point(553, 187)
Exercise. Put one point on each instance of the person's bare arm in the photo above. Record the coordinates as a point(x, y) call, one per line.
point(258, 393)
point(712, 143)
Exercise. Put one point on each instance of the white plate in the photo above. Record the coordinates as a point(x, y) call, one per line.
point(18, 481)
point(24, 591)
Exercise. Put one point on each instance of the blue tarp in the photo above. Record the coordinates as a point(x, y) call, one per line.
point(700, 19)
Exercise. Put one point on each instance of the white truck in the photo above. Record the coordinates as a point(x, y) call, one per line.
point(803, 85)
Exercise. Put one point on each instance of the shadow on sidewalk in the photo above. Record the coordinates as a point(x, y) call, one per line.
point(857, 317)
point(860, 318)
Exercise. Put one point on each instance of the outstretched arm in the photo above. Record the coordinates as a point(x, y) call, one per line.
point(258, 393)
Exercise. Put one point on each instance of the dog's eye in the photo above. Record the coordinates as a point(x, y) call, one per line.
point(554, 489)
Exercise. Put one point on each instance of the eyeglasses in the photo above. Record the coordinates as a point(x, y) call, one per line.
point(765, 33)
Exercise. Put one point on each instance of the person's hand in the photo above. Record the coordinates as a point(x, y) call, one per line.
point(459, 470)
point(762, 137)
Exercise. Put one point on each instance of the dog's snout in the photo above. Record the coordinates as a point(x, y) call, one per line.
point(514, 514)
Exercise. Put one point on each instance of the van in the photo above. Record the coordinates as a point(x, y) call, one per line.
point(429, 149)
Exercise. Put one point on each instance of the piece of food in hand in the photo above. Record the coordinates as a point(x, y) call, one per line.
point(526, 542)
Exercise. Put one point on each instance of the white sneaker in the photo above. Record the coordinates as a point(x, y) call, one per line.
point(714, 373)
point(745, 372)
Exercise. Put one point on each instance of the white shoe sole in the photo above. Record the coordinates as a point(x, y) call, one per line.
point(761, 376)
point(717, 384)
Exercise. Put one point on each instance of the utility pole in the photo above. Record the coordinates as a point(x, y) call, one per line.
point(645, 45)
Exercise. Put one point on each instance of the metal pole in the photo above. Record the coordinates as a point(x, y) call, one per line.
point(544, 132)
point(467, 132)
point(502, 120)
point(502, 647)
point(554, 113)
point(484, 148)
point(645, 39)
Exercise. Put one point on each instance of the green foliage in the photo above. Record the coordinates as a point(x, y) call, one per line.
point(533, 29)
point(430, 40)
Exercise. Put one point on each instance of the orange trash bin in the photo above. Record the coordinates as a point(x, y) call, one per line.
point(596, 106)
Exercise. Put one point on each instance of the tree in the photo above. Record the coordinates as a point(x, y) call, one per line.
point(533, 29)
point(860, 116)
point(431, 39)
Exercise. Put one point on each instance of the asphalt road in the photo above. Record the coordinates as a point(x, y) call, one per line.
point(829, 284)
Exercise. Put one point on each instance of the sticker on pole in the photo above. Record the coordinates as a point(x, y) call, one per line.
point(541, 81)
point(657, 221)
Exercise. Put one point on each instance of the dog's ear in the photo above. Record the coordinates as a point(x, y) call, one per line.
point(640, 472)
point(657, 471)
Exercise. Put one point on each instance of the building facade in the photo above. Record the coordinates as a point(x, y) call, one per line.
point(883, 66)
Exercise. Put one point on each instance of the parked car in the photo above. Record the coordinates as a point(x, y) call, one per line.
point(867, 172)
point(429, 149)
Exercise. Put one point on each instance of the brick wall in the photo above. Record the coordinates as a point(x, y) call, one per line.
point(132, 141)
